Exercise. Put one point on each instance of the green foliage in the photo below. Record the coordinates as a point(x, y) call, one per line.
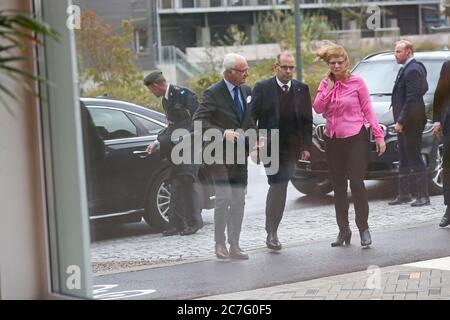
point(200, 83)
point(233, 37)
point(17, 28)
point(279, 27)
point(110, 62)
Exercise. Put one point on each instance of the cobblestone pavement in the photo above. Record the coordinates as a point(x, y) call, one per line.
point(417, 281)
point(298, 226)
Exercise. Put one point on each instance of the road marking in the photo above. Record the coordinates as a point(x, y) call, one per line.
point(100, 292)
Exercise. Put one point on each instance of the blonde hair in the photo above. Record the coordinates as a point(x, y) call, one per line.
point(408, 45)
point(332, 50)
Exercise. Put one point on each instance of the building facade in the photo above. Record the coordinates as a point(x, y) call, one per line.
point(190, 23)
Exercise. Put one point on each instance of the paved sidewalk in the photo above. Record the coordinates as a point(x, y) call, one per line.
point(298, 226)
point(426, 280)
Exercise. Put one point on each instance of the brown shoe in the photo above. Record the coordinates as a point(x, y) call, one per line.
point(222, 251)
point(237, 253)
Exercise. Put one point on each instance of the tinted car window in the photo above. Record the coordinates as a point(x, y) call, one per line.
point(113, 124)
point(380, 75)
point(150, 127)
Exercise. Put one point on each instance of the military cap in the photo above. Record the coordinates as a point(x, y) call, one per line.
point(152, 77)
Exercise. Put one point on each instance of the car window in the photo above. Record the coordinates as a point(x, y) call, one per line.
point(150, 127)
point(373, 72)
point(112, 124)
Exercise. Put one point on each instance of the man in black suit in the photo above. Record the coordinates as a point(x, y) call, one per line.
point(441, 118)
point(223, 110)
point(285, 104)
point(409, 115)
point(179, 106)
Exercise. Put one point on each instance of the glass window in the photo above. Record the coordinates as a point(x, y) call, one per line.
point(387, 70)
point(150, 127)
point(113, 124)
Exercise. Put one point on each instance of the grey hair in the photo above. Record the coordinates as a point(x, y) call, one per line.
point(230, 61)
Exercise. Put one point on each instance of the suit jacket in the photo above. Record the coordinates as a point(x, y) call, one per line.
point(407, 97)
point(265, 110)
point(179, 109)
point(441, 103)
point(217, 110)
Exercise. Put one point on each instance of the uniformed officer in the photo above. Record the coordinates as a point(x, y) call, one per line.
point(179, 105)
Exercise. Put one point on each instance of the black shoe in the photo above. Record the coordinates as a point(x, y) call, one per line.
point(237, 253)
point(343, 237)
point(189, 230)
point(421, 201)
point(170, 232)
point(401, 199)
point(221, 251)
point(366, 239)
point(445, 221)
point(272, 241)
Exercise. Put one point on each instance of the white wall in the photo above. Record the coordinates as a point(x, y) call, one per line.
point(22, 249)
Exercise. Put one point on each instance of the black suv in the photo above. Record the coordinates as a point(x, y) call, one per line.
point(127, 184)
point(379, 72)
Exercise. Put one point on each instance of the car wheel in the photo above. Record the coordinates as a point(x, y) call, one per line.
point(158, 201)
point(313, 186)
point(436, 184)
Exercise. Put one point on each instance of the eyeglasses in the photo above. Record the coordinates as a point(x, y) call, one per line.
point(339, 63)
point(285, 68)
point(241, 71)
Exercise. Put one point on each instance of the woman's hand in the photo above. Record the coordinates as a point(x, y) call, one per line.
point(330, 84)
point(381, 147)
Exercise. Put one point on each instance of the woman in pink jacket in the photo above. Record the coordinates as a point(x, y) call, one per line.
point(344, 101)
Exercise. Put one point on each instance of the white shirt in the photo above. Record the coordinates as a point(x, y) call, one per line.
point(281, 84)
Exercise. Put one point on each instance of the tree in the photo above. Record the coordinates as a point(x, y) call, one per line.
point(107, 60)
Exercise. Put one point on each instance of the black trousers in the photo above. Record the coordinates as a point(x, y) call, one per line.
point(185, 207)
point(446, 167)
point(347, 159)
point(276, 196)
point(411, 163)
point(230, 183)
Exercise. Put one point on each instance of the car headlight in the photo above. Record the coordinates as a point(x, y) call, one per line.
point(391, 130)
point(428, 128)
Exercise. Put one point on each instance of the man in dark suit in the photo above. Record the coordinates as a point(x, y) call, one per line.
point(285, 104)
point(409, 115)
point(179, 106)
point(441, 118)
point(223, 110)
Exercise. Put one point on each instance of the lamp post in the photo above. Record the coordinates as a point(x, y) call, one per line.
point(298, 39)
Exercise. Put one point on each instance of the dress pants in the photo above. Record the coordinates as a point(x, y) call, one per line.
point(347, 159)
point(230, 182)
point(411, 163)
point(185, 203)
point(276, 196)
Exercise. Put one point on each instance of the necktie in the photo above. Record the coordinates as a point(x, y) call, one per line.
point(237, 103)
point(399, 74)
point(285, 88)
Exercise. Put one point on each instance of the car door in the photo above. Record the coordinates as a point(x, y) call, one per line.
point(122, 178)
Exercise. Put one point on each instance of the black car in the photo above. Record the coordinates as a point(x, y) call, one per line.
point(379, 72)
point(127, 184)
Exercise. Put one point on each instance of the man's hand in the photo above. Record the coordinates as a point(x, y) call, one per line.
point(151, 148)
point(437, 130)
point(381, 147)
point(231, 135)
point(398, 128)
point(304, 155)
